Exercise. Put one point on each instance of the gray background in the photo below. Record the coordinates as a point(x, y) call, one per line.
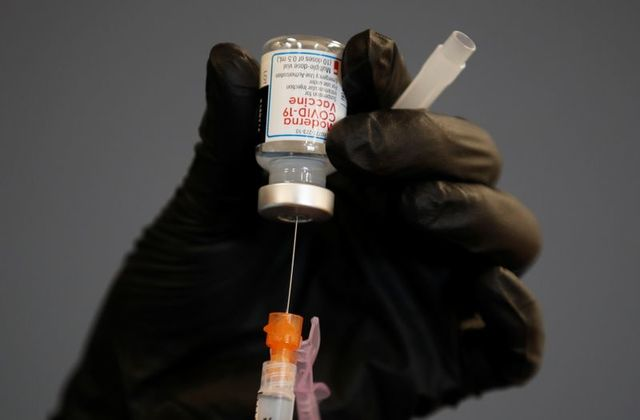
point(99, 105)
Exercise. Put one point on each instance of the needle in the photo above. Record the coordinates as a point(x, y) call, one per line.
point(293, 261)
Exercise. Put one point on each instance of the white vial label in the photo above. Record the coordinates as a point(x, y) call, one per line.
point(303, 94)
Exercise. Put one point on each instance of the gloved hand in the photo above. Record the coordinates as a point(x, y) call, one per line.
point(413, 279)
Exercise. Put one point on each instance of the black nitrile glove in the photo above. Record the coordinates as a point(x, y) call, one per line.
point(413, 279)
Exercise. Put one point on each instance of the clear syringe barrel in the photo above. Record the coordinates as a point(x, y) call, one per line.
point(276, 396)
point(440, 70)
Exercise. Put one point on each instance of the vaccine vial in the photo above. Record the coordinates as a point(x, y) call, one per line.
point(301, 98)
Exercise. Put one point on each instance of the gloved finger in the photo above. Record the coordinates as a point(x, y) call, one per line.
point(504, 345)
point(373, 72)
point(411, 144)
point(479, 219)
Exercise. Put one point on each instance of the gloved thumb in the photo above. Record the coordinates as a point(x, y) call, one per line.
point(228, 127)
point(224, 173)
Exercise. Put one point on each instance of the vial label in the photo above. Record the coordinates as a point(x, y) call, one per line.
point(301, 95)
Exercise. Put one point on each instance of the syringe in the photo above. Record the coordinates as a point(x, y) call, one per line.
point(276, 395)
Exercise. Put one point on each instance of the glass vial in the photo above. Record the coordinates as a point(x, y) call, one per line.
point(301, 98)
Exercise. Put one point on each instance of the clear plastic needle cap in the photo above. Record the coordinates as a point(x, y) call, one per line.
point(440, 70)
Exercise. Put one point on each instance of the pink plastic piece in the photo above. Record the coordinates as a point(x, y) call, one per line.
point(308, 393)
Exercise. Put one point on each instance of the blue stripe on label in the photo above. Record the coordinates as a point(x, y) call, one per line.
point(299, 135)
